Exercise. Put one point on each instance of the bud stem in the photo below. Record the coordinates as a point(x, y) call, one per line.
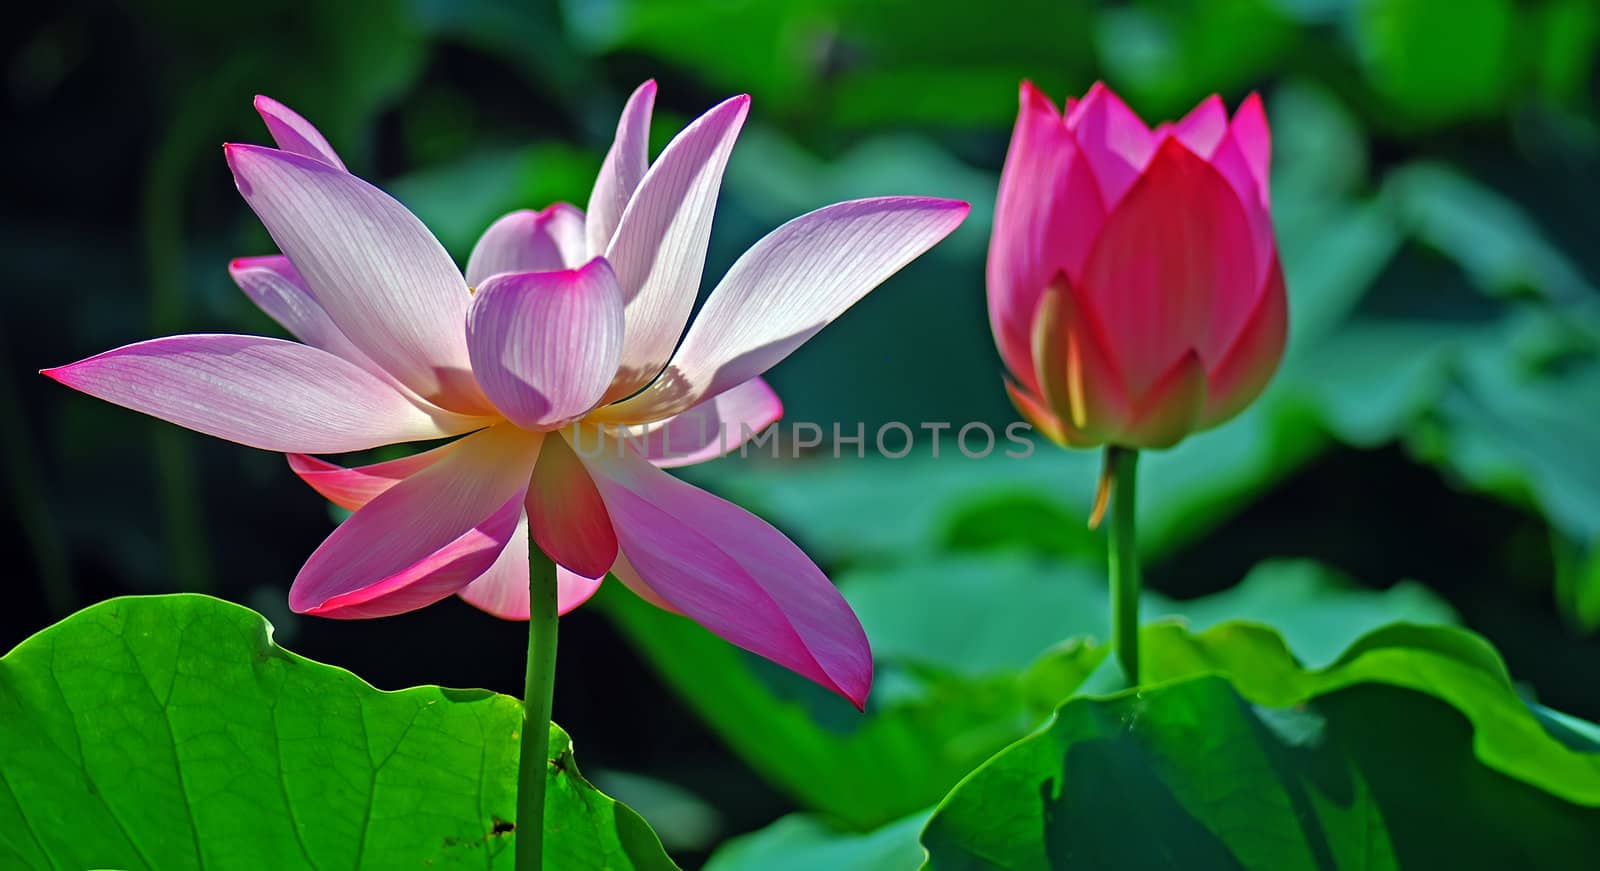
point(537, 695)
point(1123, 560)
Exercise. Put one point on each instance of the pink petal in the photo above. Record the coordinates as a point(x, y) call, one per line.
point(1046, 215)
point(1076, 373)
point(734, 574)
point(294, 133)
point(354, 487)
point(435, 576)
point(503, 589)
point(659, 248)
point(1173, 269)
point(1230, 162)
point(1172, 407)
point(427, 536)
point(573, 590)
point(1204, 127)
point(1241, 157)
point(265, 393)
point(714, 427)
point(529, 241)
point(1042, 418)
point(1206, 131)
point(1244, 369)
point(624, 166)
point(1116, 143)
point(382, 277)
point(545, 344)
point(1254, 138)
point(277, 288)
point(566, 516)
point(629, 576)
point(784, 290)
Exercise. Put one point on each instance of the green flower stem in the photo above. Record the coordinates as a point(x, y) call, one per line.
point(1123, 560)
point(536, 697)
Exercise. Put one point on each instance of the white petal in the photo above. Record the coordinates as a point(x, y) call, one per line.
point(529, 241)
point(265, 393)
point(383, 278)
point(785, 289)
point(659, 249)
point(624, 166)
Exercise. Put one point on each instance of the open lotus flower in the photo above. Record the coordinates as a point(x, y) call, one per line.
point(1134, 285)
point(564, 324)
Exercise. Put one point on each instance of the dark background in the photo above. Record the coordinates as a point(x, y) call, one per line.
point(1436, 166)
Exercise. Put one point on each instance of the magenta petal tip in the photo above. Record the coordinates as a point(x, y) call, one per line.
point(1029, 94)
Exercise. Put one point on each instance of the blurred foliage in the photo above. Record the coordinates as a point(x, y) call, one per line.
point(853, 64)
point(1225, 769)
point(1363, 776)
point(1277, 766)
point(950, 692)
point(1435, 166)
point(803, 843)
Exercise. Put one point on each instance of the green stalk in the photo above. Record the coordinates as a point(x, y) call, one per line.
point(1123, 559)
point(536, 698)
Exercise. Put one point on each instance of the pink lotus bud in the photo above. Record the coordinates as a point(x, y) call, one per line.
point(1134, 284)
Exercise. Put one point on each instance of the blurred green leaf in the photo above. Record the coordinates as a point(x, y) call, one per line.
point(350, 60)
point(853, 509)
point(1505, 407)
point(1354, 765)
point(1493, 239)
point(1437, 62)
point(1578, 580)
point(1565, 35)
point(1319, 148)
point(1030, 605)
point(1332, 253)
point(805, 843)
point(459, 200)
point(682, 819)
point(526, 35)
point(1026, 606)
point(858, 63)
point(1522, 426)
point(1166, 55)
point(895, 60)
point(774, 51)
point(169, 732)
point(1576, 734)
point(777, 180)
point(1374, 379)
point(1317, 610)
